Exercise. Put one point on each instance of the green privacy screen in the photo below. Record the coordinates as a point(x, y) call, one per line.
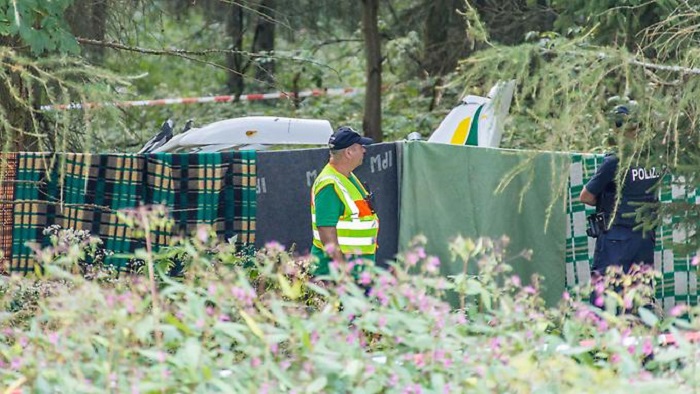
point(450, 190)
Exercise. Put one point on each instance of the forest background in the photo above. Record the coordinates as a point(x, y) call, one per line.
point(572, 60)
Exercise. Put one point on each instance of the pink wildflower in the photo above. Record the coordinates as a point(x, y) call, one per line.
point(110, 299)
point(432, 265)
point(438, 355)
point(678, 310)
point(495, 344)
point(516, 280)
point(647, 347)
point(602, 326)
point(308, 367)
point(203, 234)
point(351, 338)
point(350, 266)
point(529, 290)
point(481, 371)
point(627, 301)
point(411, 259)
point(598, 301)
point(274, 247)
point(386, 280)
point(419, 360)
point(334, 266)
point(447, 362)
point(412, 389)
point(365, 278)
point(394, 379)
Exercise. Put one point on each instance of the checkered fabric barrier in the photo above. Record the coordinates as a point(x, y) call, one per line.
point(679, 278)
point(8, 168)
point(84, 192)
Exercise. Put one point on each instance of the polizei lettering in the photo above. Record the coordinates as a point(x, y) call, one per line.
point(640, 174)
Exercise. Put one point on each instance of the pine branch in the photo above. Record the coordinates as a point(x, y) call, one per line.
point(185, 54)
point(641, 63)
point(663, 67)
point(191, 55)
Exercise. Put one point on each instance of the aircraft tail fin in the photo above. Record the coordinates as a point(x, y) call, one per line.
point(477, 120)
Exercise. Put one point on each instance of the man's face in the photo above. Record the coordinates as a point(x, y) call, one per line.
point(356, 153)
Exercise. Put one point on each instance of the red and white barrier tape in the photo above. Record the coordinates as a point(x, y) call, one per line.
point(208, 99)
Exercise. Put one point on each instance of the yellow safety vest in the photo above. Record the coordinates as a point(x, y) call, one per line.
point(359, 225)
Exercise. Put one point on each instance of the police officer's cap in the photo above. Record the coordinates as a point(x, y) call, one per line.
point(345, 137)
point(620, 112)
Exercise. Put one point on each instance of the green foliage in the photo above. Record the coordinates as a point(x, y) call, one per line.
point(567, 86)
point(225, 328)
point(39, 24)
point(28, 83)
point(677, 35)
point(612, 21)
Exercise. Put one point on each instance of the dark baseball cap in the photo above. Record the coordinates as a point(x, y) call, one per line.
point(345, 137)
point(623, 114)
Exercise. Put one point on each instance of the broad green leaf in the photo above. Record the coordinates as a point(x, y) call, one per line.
point(648, 317)
point(317, 385)
point(287, 290)
point(170, 319)
point(233, 330)
point(252, 324)
point(191, 353)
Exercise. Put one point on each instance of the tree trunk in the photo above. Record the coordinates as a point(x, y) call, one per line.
point(372, 121)
point(445, 39)
point(235, 62)
point(87, 19)
point(509, 21)
point(265, 42)
point(20, 136)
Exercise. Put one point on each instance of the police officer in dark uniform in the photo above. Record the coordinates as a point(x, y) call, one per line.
point(620, 239)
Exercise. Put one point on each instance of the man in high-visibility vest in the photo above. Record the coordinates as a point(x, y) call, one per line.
point(344, 223)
